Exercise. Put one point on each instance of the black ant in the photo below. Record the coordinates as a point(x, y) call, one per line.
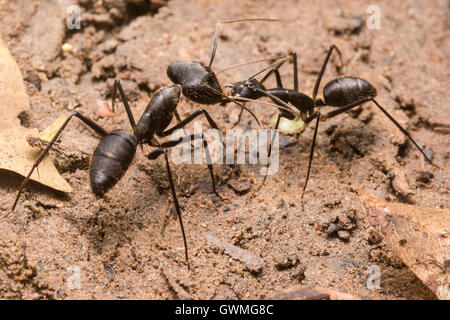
point(345, 93)
point(116, 149)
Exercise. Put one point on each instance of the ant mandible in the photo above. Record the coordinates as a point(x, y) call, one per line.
point(344, 92)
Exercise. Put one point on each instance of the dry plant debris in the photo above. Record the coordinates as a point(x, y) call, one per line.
point(17, 155)
point(419, 236)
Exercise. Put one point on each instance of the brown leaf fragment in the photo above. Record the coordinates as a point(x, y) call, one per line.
point(419, 236)
point(13, 96)
point(19, 157)
point(301, 292)
point(16, 154)
point(251, 262)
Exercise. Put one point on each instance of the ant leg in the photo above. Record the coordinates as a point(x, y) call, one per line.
point(117, 85)
point(218, 27)
point(322, 70)
point(277, 75)
point(270, 151)
point(102, 132)
point(360, 102)
point(153, 155)
point(273, 135)
point(172, 143)
point(294, 62)
point(311, 153)
point(190, 118)
point(240, 115)
point(177, 115)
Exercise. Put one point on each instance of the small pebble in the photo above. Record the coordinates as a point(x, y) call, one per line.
point(332, 229)
point(373, 238)
point(429, 153)
point(109, 272)
point(240, 186)
point(67, 47)
point(344, 235)
point(286, 262)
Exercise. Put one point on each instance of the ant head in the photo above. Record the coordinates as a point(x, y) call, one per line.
point(247, 89)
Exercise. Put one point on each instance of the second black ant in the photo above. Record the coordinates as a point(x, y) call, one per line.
point(345, 93)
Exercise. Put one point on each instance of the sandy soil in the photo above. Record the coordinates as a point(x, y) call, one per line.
point(128, 245)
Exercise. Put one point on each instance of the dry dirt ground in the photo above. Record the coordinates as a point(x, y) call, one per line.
point(128, 246)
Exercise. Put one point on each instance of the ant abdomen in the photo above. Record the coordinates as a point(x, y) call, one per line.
point(345, 90)
point(111, 159)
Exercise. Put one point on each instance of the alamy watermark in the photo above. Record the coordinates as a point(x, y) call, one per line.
point(373, 280)
point(238, 146)
point(74, 280)
point(374, 19)
point(73, 20)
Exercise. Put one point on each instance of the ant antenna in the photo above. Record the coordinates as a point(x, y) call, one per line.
point(219, 25)
point(247, 63)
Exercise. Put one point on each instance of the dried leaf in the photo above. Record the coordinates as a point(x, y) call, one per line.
point(51, 130)
point(287, 127)
point(17, 155)
point(301, 292)
point(419, 236)
point(13, 96)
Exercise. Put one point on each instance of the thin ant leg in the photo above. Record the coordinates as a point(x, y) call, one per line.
point(240, 115)
point(277, 75)
point(270, 151)
point(243, 107)
point(358, 103)
point(177, 115)
point(173, 143)
point(273, 135)
point(294, 62)
point(153, 155)
point(218, 27)
point(322, 70)
point(190, 118)
point(102, 132)
point(275, 64)
point(311, 153)
point(118, 85)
